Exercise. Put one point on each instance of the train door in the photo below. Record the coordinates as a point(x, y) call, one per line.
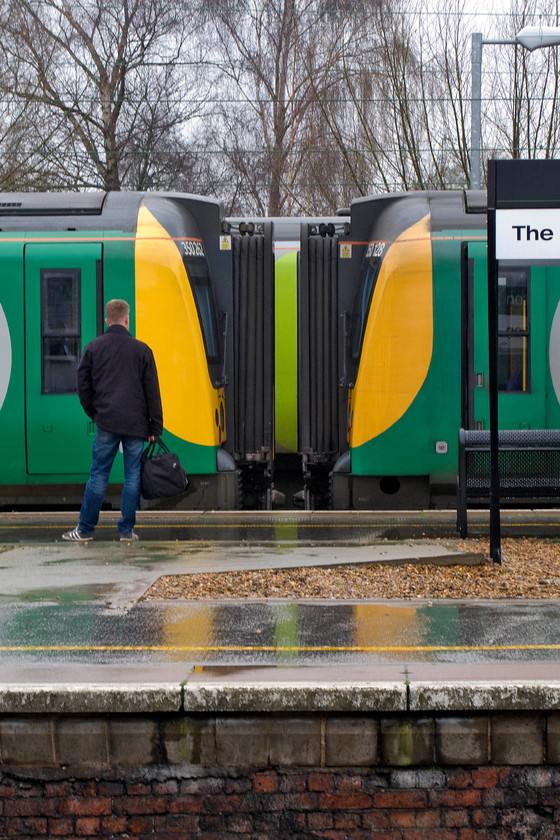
point(63, 311)
point(521, 349)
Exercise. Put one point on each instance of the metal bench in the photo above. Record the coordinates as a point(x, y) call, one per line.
point(528, 464)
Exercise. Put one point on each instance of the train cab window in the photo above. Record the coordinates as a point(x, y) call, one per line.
point(61, 337)
point(198, 274)
point(514, 373)
point(362, 303)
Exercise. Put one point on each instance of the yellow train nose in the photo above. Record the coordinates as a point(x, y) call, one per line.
point(398, 340)
point(167, 320)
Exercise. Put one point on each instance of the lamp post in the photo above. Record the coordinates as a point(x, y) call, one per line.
point(530, 37)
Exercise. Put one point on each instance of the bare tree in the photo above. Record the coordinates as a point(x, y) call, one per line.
point(22, 165)
point(521, 116)
point(407, 92)
point(292, 106)
point(445, 82)
point(278, 60)
point(101, 72)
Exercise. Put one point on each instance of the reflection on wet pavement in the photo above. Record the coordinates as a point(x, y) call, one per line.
point(281, 633)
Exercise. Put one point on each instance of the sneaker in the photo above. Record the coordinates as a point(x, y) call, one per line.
point(77, 536)
point(129, 537)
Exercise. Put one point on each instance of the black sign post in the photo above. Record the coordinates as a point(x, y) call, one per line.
point(495, 525)
point(523, 226)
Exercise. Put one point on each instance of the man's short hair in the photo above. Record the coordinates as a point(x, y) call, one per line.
point(116, 311)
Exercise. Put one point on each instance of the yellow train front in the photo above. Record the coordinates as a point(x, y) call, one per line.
point(63, 256)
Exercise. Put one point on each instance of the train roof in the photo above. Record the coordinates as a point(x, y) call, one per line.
point(389, 214)
point(94, 210)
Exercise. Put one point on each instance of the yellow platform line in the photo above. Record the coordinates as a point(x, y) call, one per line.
point(273, 648)
point(29, 526)
point(276, 525)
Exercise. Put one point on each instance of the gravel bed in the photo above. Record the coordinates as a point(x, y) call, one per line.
point(530, 569)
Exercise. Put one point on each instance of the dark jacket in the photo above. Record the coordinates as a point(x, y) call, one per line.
point(118, 384)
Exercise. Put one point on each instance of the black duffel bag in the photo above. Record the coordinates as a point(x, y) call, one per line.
point(162, 474)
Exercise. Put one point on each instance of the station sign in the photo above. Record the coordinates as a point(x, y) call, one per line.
point(528, 235)
point(523, 210)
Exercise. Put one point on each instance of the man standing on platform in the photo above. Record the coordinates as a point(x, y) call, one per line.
point(118, 388)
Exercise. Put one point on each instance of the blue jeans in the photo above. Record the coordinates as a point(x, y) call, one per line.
point(105, 448)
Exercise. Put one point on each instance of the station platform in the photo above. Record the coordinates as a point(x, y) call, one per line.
point(76, 636)
point(283, 526)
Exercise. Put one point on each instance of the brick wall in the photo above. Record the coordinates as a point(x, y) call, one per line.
point(281, 776)
point(392, 804)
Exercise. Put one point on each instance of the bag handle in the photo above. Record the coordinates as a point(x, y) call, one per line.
point(150, 450)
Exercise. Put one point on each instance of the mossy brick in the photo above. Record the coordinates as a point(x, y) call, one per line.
point(462, 740)
point(113, 826)
point(320, 821)
point(133, 742)
point(470, 798)
point(34, 807)
point(265, 783)
point(485, 777)
point(341, 801)
point(295, 742)
point(175, 825)
point(27, 742)
point(141, 825)
point(27, 828)
point(351, 741)
point(400, 799)
point(189, 740)
point(257, 741)
point(87, 806)
point(60, 827)
point(407, 742)
point(517, 738)
point(349, 782)
point(80, 741)
point(88, 826)
point(242, 741)
point(296, 783)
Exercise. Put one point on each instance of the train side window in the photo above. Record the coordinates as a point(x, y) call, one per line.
point(61, 334)
point(197, 272)
point(514, 370)
point(362, 303)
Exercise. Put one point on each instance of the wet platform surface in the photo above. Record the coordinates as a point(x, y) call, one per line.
point(72, 617)
point(283, 526)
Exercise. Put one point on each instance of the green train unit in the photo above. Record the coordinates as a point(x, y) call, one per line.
point(314, 362)
point(416, 367)
point(202, 295)
point(62, 257)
